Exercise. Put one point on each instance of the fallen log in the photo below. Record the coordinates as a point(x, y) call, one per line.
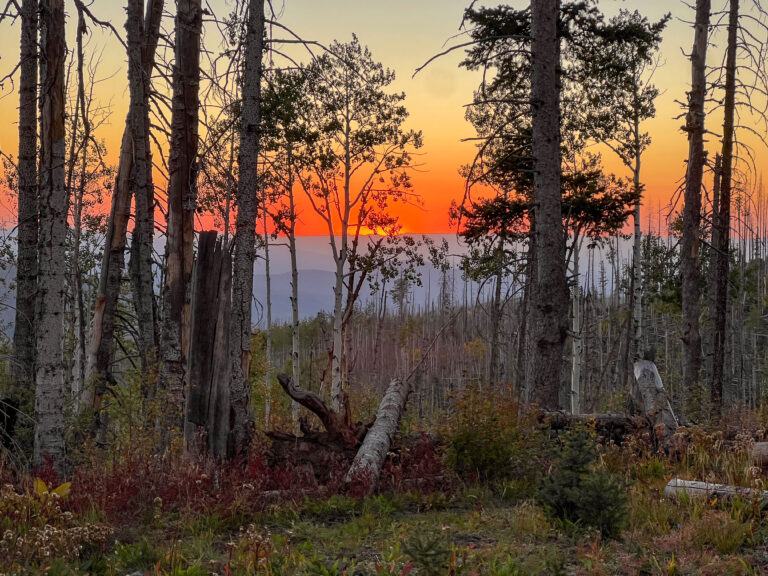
point(325, 450)
point(694, 489)
point(366, 467)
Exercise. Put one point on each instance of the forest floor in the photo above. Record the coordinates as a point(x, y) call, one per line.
point(495, 496)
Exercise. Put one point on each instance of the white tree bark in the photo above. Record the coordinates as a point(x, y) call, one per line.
point(693, 489)
point(366, 467)
point(54, 201)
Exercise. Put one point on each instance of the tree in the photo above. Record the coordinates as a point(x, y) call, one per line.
point(500, 112)
point(356, 166)
point(694, 126)
point(618, 66)
point(23, 359)
point(550, 294)
point(283, 135)
point(49, 382)
point(100, 346)
point(182, 199)
point(140, 179)
point(247, 213)
point(722, 219)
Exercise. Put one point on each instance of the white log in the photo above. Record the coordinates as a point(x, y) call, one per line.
point(760, 454)
point(694, 489)
point(366, 467)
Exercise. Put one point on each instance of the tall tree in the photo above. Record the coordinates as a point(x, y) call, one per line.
point(246, 202)
point(694, 126)
point(356, 166)
point(182, 201)
point(140, 180)
point(723, 221)
point(23, 360)
point(550, 294)
point(619, 61)
point(100, 347)
point(49, 390)
point(284, 133)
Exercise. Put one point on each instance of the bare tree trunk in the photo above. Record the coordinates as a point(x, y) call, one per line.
point(524, 341)
point(295, 342)
point(709, 334)
point(637, 251)
point(76, 281)
point(142, 185)
point(23, 361)
point(691, 336)
point(337, 391)
point(49, 391)
point(577, 343)
point(550, 310)
point(100, 351)
point(268, 346)
point(182, 201)
point(494, 371)
point(724, 214)
point(247, 212)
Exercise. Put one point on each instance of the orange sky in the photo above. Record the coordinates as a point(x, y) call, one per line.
point(403, 34)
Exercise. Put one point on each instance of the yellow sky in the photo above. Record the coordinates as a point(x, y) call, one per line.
point(403, 34)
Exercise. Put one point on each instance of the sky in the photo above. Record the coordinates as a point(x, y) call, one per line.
point(403, 34)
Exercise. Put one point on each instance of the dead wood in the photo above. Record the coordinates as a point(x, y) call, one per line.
point(325, 450)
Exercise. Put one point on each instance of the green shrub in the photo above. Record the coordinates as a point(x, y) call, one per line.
point(579, 491)
point(486, 440)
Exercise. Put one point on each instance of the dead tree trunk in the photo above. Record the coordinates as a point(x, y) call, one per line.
point(366, 467)
point(676, 488)
point(49, 390)
point(724, 214)
point(141, 182)
point(23, 361)
point(691, 335)
point(182, 201)
point(100, 350)
point(207, 401)
point(247, 211)
point(320, 449)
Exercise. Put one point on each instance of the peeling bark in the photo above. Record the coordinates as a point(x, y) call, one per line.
point(182, 201)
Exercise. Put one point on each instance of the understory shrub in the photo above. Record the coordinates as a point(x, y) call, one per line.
point(35, 530)
point(578, 490)
point(487, 440)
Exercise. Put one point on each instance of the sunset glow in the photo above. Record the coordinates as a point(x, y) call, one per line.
point(402, 35)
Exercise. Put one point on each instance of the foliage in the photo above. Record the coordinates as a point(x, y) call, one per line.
point(34, 529)
point(430, 554)
point(486, 440)
point(579, 491)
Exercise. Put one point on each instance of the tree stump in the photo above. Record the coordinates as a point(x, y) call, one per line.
point(648, 398)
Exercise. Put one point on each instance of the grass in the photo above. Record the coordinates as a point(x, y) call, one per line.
point(198, 520)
